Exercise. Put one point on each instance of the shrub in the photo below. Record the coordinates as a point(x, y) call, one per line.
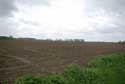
point(91, 77)
point(28, 79)
point(57, 79)
point(110, 68)
point(74, 74)
point(121, 42)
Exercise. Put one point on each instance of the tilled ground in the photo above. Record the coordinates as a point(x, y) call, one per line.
point(19, 57)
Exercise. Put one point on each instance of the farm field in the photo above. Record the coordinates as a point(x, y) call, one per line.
point(19, 57)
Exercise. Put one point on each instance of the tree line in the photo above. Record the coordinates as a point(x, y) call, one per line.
point(48, 40)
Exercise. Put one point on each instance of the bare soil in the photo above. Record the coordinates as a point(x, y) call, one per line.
point(19, 57)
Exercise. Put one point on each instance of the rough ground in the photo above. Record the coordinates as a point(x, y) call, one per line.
point(19, 57)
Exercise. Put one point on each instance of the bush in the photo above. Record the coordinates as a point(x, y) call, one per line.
point(6, 38)
point(28, 79)
point(110, 68)
point(121, 42)
point(74, 74)
point(57, 79)
point(102, 70)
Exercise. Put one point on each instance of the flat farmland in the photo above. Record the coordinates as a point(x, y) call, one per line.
point(20, 57)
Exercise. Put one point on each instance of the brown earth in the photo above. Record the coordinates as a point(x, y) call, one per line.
point(19, 57)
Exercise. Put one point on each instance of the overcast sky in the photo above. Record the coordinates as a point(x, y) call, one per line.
point(93, 20)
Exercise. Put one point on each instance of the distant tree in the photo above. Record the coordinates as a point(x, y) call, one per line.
point(79, 40)
point(75, 40)
point(6, 37)
point(11, 37)
point(121, 42)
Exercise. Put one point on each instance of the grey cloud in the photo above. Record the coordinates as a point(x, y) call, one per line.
point(105, 30)
point(110, 29)
point(7, 27)
point(33, 2)
point(110, 5)
point(27, 22)
point(112, 8)
point(7, 7)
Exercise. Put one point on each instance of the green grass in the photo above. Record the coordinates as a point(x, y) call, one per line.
point(108, 69)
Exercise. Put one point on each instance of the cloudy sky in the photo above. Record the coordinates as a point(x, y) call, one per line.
point(92, 20)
